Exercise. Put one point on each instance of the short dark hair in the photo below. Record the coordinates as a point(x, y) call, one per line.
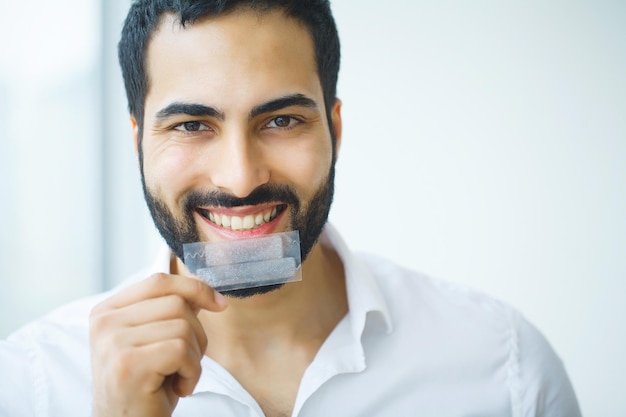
point(144, 17)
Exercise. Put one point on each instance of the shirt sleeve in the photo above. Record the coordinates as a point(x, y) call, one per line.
point(544, 387)
point(18, 390)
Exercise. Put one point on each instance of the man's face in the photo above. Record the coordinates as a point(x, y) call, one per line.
point(236, 141)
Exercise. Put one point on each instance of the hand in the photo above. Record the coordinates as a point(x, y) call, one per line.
point(147, 344)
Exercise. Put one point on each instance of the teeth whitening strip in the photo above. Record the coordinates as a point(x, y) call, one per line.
point(245, 263)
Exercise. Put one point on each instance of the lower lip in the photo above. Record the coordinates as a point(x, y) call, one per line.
point(229, 234)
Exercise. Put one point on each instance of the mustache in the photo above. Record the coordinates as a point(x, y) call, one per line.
point(266, 193)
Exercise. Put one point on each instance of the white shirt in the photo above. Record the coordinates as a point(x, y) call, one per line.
point(410, 345)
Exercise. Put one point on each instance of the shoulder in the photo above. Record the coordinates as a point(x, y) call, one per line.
point(51, 357)
point(48, 358)
point(469, 333)
point(542, 382)
point(45, 358)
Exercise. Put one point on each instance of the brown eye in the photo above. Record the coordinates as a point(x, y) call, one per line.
point(282, 122)
point(192, 126)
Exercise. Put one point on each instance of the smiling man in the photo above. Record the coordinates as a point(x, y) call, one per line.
point(237, 130)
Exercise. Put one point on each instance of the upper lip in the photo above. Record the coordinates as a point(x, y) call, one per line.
point(240, 211)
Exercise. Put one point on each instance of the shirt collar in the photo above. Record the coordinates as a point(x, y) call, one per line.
point(364, 295)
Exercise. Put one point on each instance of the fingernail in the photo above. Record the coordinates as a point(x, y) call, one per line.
point(219, 299)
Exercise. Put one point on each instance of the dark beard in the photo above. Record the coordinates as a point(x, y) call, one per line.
point(308, 220)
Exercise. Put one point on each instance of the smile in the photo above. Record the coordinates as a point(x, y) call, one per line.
point(247, 222)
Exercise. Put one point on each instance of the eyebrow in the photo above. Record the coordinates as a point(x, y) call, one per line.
point(299, 100)
point(197, 110)
point(200, 110)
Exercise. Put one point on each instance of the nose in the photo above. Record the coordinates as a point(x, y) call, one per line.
point(239, 165)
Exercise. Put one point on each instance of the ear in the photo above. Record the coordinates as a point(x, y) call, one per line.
point(135, 127)
point(335, 117)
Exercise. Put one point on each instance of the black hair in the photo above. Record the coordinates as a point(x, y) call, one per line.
point(144, 17)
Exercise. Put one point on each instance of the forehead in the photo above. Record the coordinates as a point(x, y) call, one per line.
point(242, 56)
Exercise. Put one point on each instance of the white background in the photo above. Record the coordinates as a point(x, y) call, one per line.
point(484, 143)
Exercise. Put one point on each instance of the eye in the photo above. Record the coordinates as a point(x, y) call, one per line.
point(282, 122)
point(193, 126)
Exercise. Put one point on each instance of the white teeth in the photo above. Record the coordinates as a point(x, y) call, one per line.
point(236, 223)
point(226, 221)
point(248, 222)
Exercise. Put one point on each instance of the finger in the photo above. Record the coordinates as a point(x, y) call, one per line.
point(137, 324)
point(176, 358)
point(156, 309)
point(187, 377)
point(171, 308)
point(194, 291)
point(149, 366)
point(155, 332)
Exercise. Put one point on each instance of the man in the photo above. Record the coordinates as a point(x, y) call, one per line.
point(237, 130)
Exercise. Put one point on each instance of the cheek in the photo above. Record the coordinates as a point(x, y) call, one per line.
point(305, 165)
point(168, 171)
